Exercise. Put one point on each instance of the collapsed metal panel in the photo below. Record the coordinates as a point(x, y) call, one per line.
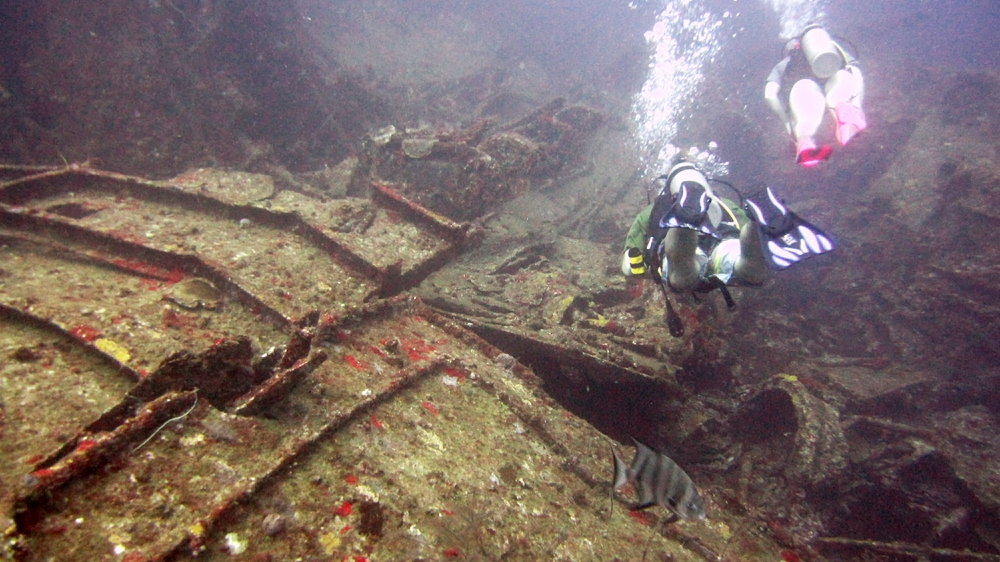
point(414, 439)
point(142, 422)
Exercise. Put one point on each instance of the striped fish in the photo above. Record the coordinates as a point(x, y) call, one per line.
point(657, 480)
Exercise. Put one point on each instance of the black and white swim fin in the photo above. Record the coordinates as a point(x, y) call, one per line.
point(789, 238)
point(694, 211)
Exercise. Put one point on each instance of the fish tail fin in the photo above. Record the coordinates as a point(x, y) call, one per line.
point(621, 471)
point(620, 477)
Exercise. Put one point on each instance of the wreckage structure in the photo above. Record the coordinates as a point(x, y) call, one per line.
point(268, 314)
point(203, 366)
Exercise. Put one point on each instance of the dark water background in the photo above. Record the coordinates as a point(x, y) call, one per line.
point(595, 51)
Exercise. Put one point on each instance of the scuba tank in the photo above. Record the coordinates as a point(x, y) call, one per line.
point(684, 172)
point(821, 53)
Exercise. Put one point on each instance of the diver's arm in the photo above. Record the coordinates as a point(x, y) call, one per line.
point(636, 238)
point(772, 90)
point(849, 59)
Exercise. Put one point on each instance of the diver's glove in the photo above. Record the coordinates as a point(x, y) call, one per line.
point(789, 238)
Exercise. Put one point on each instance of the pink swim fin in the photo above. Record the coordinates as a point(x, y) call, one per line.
point(850, 121)
point(808, 154)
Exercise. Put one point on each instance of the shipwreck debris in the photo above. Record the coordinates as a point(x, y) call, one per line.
point(194, 293)
point(467, 173)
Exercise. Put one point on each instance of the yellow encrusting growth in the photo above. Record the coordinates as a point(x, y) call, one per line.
point(600, 321)
point(330, 542)
point(113, 349)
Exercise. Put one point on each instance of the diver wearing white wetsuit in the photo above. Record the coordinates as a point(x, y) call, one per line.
point(811, 60)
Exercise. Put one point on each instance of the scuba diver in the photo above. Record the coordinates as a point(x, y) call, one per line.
point(689, 239)
point(812, 59)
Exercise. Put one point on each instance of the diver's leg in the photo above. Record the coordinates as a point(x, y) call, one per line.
point(808, 105)
point(751, 267)
point(840, 88)
point(679, 247)
point(844, 95)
